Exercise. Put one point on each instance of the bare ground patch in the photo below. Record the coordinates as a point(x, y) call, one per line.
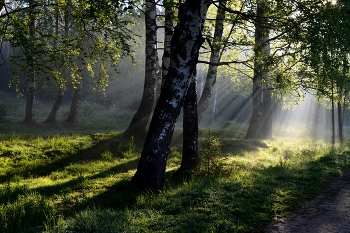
point(327, 213)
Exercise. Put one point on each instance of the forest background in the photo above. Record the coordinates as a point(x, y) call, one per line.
point(81, 66)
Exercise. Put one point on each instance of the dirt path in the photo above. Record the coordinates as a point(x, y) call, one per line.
point(327, 213)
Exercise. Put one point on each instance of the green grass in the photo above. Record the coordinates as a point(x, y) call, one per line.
point(66, 182)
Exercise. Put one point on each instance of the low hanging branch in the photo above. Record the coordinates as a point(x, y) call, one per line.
point(223, 63)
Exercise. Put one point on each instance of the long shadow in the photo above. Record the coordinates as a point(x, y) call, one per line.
point(115, 145)
point(250, 204)
point(74, 183)
point(258, 208)
point(119, 196)
point(69, 186)
point(270, 191)
point(90, 154)
point(238, 146)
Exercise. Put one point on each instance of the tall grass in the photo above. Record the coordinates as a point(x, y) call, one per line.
point(21, 210)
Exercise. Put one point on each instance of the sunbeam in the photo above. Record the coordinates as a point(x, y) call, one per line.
point(309, 118)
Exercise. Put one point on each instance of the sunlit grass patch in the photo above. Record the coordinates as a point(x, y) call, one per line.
point(87, 188)
point(31, 156)
point(174, 159)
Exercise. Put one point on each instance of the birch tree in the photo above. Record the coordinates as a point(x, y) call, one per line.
point(168, 34)
point(185, 45)
point(214, 60)
point(137, 126)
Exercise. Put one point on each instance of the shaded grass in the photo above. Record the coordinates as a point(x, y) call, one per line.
point(83, 186)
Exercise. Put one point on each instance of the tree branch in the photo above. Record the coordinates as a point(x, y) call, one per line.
point(222, 63)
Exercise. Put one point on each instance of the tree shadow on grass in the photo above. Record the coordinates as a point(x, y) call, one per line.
point(239, 146)
point(121, 194)
point(209, 203)
point(247, 205)
point(116, 145)
point(76, 184)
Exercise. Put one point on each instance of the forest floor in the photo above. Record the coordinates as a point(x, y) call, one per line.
point(327, 213)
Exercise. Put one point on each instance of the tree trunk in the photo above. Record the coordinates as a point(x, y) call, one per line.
point(137, 126)
point(53, 113)
point(266, 125)
point(159, 81)
point(332, 112)
point(340, 121)
point(214, 58)
point(343, 109)
point(256, 118)
point(29, 117)
point(29, 114)
point(168, 34)
point(74, 107)
point(51, 118)
point(261, 112)
point(340, 114)
point(190, 129)
point(78, 88)
point(186, 42)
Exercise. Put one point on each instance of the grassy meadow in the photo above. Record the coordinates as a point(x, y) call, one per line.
point(60, 180)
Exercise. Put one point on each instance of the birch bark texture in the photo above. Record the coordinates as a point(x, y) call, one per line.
point(185, 45)
point(137, 126)
point(168, 34)
point(210, 81)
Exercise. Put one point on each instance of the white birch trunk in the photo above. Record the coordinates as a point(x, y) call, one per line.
point(214, 59)
point(185, 44)
point(137, 126)
point(168, 34)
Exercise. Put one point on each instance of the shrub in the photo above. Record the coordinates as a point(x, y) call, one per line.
point(209, 156)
